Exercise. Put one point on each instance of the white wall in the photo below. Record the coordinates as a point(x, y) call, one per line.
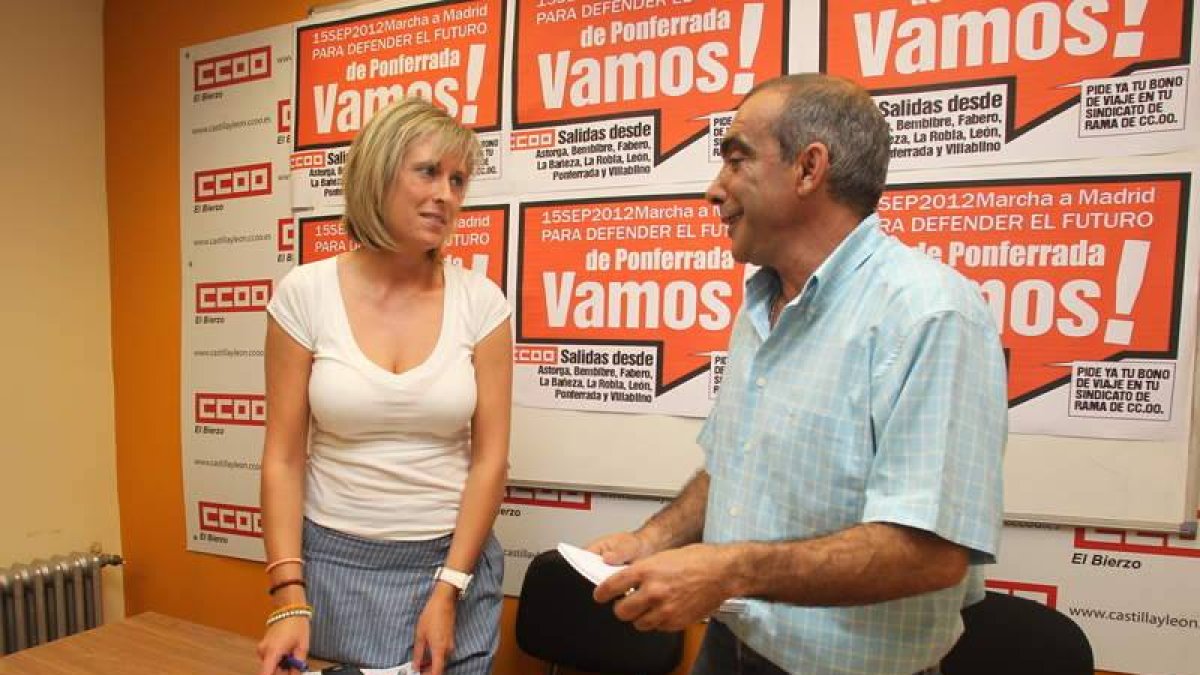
point(58, 488)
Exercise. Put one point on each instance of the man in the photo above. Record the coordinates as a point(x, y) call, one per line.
point(852, 479)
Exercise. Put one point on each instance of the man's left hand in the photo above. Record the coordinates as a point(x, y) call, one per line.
point(670, 590)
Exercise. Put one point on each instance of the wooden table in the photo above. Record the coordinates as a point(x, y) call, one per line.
point(147, 644)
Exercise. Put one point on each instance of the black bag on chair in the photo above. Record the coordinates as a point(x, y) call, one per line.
point(558, 621)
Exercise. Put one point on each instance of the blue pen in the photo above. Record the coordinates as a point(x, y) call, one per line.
point(289, 661)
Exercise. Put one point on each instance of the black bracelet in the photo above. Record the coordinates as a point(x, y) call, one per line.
point(285, 584)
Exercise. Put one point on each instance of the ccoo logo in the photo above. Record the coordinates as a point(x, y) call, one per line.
point(531, 140)
point(559, 499)
point(283, 115)
point(525, 354)
point(285, 238)
point(215, 297)
point(238, 409)
point(250, 180)
point(229, 69)
point(244, 521)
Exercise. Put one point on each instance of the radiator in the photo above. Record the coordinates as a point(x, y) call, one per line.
point(48, 599)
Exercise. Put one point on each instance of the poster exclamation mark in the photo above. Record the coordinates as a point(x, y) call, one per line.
point(1128, 44)
point(1130, 274)
point(752, 16)
point(475, 57)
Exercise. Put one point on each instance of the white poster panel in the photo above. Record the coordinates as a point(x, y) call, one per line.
point(237, 238)
point(601, 125)
point(1135, 595)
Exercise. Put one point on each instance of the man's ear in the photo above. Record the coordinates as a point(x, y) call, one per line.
point(812, 165)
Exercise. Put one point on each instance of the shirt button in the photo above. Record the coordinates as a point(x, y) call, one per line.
point(761, 382)
point(734, 511)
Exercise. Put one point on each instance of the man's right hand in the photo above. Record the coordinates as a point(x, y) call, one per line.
point(621, 548)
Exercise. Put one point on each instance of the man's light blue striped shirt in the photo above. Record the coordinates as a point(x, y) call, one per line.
point(879, 396)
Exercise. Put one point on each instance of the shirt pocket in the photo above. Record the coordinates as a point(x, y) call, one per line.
point(819, 460)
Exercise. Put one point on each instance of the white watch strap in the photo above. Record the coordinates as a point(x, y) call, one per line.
point(455, 578)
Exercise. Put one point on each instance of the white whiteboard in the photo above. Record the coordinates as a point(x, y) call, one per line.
point(1082, 481)
point(604, 452)
point(1076, 481)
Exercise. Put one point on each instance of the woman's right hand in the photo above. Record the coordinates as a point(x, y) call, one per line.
point(289, 636)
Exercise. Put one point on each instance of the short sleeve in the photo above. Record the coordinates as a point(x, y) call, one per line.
point(488, 306)
point(291, 306)
point(940, 415)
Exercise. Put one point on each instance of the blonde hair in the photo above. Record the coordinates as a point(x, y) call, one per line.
point(378, 150)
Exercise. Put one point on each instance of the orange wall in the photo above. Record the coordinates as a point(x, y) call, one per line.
point(142, 39)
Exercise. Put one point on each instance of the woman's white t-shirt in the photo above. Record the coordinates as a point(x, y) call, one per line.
point(388, 452)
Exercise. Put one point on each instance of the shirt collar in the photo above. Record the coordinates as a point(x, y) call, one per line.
point(850, 254)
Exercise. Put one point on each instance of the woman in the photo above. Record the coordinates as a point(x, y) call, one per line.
point(404, 366)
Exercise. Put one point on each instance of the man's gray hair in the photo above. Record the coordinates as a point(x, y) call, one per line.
point(841, 115)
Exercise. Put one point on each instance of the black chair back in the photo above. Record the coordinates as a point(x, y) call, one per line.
point(558, 621)
point(1006, 634)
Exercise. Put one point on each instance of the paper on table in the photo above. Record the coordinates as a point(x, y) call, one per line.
point(595, 570)
point(402, 669)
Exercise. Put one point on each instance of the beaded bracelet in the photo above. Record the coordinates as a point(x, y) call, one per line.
point(294, 605)
point(283, 561)
point(290, 610)
point(276, 617)
point(285, 584)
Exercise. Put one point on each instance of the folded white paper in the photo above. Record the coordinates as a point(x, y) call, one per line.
point(594, 569)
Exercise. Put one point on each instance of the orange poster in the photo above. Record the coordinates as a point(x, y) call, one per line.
point(623, 304)
point(1085, 278)
point(607, 91)
point(976, 81)
point(447, 52)
point(349, 68)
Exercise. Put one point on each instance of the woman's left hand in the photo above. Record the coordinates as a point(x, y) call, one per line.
point(433, 642)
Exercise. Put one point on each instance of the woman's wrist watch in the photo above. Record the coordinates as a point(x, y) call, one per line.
point(459, 580)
